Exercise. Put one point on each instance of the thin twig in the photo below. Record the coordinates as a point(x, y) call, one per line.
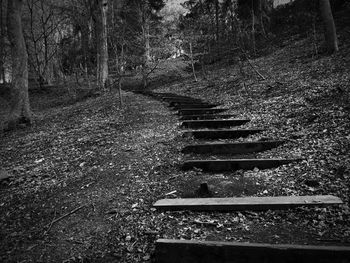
point(64, 216)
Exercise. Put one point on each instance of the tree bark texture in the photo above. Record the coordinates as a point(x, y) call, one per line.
point(2, 45)
point(147, 41)
point(217, 19)
point(329, 26)
point(102, 46)
point(19, 104)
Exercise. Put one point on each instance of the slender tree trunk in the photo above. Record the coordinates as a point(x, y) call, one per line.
point(147, 54)
point(2, 45)
point(253, 28)
point(85, 44)
point(147, 43)
point(192, 63)
point(217, 19)
point(19, 105)
point(103, 45)
point(261, 10)
point(329, 26)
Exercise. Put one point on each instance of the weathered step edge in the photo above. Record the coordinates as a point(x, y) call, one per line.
point(213, 123)
point(200, 111)
point(231, 148)
point(207, 117)
point(194, 251)
point(193, 106)
point(169, 100)
point(245, 203)
point(179, 103)
point(220, 134)
point(235, 164)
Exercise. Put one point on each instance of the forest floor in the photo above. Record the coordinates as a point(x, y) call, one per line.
point(85, 175)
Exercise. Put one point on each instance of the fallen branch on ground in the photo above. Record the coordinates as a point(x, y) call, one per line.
point(62, 217)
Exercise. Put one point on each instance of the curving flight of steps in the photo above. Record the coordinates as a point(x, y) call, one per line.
point(205, 122)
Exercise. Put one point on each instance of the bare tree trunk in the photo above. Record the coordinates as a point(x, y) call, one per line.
point(253, 28)
point(147, 54)
point(147, 43)
point(217, 19)
point(120, 84)
point(2, 46)
point(144, 76)
point(85, 44)
point(102, 46)
point(20, 109)
point(192, 63)
point(261, 18)
point(330, 31)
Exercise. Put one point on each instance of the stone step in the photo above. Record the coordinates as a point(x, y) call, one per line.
point(235, 164)
point(252, 203)
point(193, 106)
point(206, 117)
point(195, 251)
point(200, 111)
point(221, 134)
point(213, 123)
point(231, 148)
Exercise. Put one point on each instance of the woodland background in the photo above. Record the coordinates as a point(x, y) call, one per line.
point(79, 139)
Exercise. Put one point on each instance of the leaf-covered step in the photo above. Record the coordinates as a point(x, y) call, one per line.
point(200, 111)
point(213, 123)
point(206, 117)
point(231, 148)
point(245, 203)
point(221, 134)
point(235, 164)
point(195, 251)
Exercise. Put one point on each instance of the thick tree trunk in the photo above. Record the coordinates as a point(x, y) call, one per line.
point(329, 26)
point(20, 109)
point(102, 46)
